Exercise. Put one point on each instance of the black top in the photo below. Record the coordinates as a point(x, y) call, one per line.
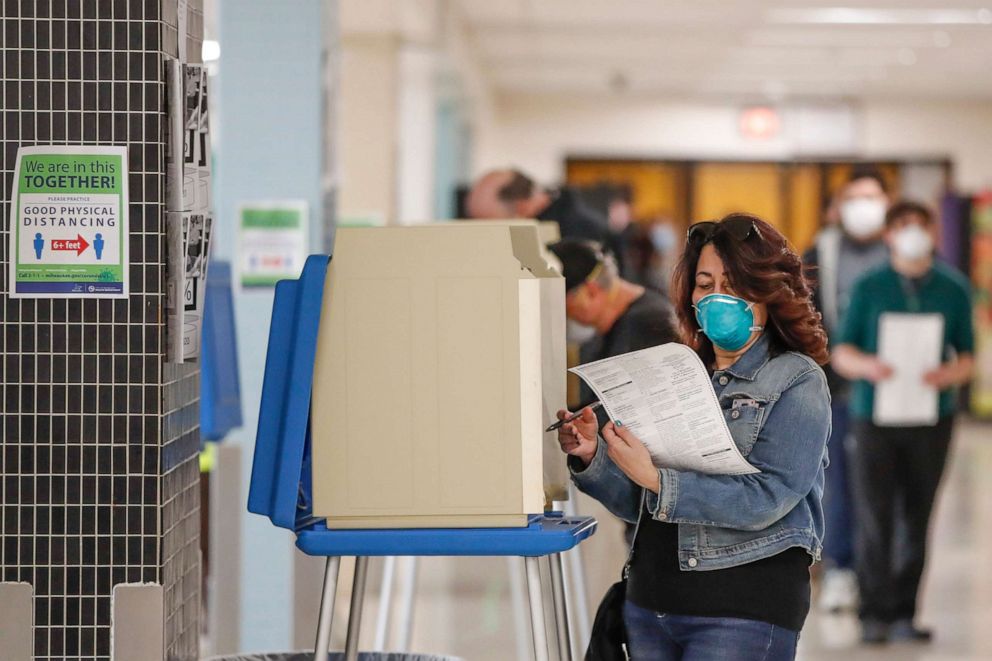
point(648, 321)
point(774, 590)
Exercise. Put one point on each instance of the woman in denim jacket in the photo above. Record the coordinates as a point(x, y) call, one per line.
point(720, 563)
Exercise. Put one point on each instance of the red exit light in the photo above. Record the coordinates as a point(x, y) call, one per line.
point(759, 123)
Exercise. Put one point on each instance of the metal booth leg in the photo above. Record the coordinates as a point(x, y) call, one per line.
point(326, 608)
point(385, 604)
point(408, 593)
point(575, 582)
point(355, 614)
point(536, 609)
point(518, 602)
point(575, 592)
point(561, 606)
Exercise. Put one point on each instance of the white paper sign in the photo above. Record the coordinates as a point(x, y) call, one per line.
point(911, 344)
point(175, 276)
point(188, 244)
point(196, 252)
point(272, 241)
point(664, 396)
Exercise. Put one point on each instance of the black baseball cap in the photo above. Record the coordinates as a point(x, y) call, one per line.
point(579, 258)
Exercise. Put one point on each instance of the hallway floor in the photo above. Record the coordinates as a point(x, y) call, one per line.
point(957, 594)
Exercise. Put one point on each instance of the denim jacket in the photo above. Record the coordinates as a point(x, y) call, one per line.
point(781, 424)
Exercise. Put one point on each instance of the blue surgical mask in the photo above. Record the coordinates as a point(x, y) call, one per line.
point(727, 320)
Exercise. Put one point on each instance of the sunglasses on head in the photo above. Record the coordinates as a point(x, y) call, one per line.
point(738, 228)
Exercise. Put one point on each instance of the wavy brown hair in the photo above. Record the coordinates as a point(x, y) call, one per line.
point(763, 268)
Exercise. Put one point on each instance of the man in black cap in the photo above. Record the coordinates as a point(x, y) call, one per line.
point(608, 315)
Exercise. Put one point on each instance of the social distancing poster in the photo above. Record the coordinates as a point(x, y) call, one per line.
point(68, 223)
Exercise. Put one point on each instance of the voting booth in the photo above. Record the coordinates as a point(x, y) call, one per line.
point(286, 470)
point(440, 361)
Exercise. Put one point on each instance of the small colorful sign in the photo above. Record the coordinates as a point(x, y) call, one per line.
point(68, 223)
point(273, 242)
point(981, 278)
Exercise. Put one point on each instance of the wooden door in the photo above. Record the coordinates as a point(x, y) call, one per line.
point(722, 188)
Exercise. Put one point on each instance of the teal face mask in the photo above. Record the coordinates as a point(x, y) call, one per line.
point(727, 320)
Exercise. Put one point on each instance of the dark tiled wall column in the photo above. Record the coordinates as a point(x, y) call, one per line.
point(99, 435)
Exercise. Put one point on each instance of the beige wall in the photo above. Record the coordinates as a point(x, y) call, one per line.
point(962, 131)
point(367, 117)
point(536, 132)
point(398, 59)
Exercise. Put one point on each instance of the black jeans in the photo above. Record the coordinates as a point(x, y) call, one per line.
point(896, 472)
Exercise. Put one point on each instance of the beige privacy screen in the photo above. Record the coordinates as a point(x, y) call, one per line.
point(429, 403)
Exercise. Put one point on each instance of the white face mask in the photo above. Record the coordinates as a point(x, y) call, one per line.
point(576, 333)
point(662, 238)
point(912, 242)
point(862, 216)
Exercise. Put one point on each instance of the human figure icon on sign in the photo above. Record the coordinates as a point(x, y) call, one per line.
point(98, 245)
point(39, 245)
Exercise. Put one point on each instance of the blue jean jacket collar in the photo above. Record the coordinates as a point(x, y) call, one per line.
point(748, 365)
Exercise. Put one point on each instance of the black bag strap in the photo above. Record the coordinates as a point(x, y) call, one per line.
point(633, 540)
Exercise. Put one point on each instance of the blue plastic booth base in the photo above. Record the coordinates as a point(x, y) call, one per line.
point(545, 534)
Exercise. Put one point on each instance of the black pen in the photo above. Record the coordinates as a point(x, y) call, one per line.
point(558, 424)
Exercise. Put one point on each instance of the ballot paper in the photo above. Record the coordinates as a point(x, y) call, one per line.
point(664, 396)
point(911, 345)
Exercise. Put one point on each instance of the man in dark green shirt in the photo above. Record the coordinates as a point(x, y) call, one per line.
point(896, 469)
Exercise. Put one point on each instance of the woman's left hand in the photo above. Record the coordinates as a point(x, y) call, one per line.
point(631, 456)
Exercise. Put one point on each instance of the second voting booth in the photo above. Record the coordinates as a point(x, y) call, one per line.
point(408, 383)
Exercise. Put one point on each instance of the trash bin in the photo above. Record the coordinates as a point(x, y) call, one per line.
point(334, 656)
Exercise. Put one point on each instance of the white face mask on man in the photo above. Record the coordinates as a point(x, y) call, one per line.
point(576, 333)
point(863, 216)
point(912, 242)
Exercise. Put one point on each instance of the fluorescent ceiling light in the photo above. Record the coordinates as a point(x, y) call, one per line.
point(828, 36)
point(210, 51)
point(869, 16)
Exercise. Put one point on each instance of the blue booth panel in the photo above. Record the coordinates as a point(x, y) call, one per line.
point(220, 381)
point(280, 475)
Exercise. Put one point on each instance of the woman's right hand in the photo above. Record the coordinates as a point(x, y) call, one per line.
point(578, 437)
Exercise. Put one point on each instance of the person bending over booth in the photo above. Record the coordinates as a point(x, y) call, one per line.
point(608, 316)
point(896, 469)
point(720, 563)
point(501, 194)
